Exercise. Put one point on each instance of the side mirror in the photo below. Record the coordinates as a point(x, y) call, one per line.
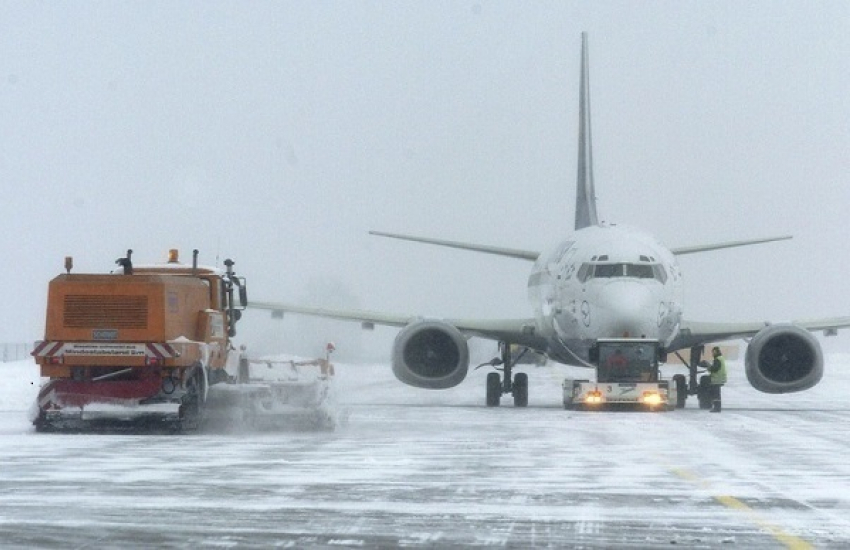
point(593, 353)
point(243, 295)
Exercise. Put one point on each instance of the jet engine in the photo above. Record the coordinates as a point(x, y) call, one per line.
point(430, 354)
point(784, 358)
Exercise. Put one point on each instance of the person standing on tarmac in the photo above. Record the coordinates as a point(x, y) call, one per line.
point(718, 377)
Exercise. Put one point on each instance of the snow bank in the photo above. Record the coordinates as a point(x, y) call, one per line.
point(19, 383)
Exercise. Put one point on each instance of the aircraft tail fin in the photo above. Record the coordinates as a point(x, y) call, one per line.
point(585, 192)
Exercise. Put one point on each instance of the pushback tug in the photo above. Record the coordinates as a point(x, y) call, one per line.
point(627, 375)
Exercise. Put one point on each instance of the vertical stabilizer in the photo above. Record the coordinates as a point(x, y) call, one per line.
point(585, 193)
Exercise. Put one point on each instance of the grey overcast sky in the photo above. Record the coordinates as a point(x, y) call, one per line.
point(280, 133)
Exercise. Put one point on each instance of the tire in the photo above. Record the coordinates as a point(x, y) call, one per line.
point(194, 400)
point(704, 392)
point(520, 390)
point(681, 390)
point(494, 389)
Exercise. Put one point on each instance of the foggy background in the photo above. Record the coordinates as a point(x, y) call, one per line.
point(279, 133)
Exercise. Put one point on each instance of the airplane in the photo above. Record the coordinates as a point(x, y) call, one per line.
point(601, 281)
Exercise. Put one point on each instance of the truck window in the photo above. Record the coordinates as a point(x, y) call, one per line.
point(627, 363)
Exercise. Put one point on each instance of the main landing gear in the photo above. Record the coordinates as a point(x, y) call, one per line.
point(694, 385)
point(497, 385)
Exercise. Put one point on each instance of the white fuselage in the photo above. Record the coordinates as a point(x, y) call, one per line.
point(605, 282)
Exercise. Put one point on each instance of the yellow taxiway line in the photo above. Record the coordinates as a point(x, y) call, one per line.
point(790, 541)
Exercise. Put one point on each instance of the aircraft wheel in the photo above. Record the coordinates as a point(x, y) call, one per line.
point(704, 392)
point(521, 390)
point(681, 390)
point(494, 389)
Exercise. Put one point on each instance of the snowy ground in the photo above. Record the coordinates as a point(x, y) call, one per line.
point(419, 468)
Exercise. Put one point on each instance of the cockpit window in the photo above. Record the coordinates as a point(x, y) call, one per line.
point(595, 270)
point(606, 271)
point(660, 273)
point(640, 271)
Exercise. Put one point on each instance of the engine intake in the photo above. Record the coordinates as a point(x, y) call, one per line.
point(783, 359)
point(430, 354)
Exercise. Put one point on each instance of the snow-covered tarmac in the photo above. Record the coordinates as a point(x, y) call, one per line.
point(416, 468)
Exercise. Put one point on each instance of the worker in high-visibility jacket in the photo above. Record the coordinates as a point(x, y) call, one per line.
point(718, 377)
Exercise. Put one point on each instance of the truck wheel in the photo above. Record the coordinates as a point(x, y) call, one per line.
point(193, 401)
point(704, 392)
point(521, 390)
point(494, 389)
point(681, 390)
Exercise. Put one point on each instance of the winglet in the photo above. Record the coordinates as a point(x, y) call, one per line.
point(585, 192)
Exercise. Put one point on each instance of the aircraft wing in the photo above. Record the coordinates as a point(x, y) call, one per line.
point(516, 331)
point(530, 255)
point(698, 333)
point(533, 254)
point(681, 251)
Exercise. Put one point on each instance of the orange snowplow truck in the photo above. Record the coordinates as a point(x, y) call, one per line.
point(136, 348)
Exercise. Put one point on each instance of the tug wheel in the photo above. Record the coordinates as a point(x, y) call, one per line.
point(494, 389)
point(681, 390)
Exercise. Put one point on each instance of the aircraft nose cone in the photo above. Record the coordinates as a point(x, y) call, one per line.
point(628, 309)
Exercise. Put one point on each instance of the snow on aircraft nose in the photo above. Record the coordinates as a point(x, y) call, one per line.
point(627, 309)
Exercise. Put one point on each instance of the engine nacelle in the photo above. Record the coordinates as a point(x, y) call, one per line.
point(784, 358)
point(430, 354)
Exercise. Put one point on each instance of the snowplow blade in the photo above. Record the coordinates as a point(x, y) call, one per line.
point(282, 406)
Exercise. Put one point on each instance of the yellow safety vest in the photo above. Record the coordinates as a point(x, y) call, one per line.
point(719, 376)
